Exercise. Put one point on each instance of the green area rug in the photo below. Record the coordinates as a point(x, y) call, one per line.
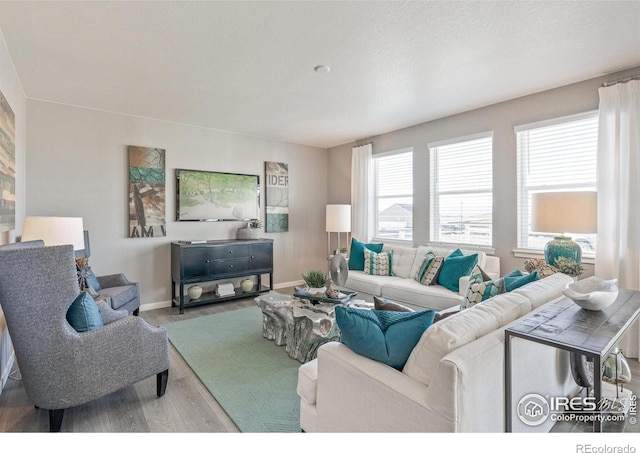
point(253, 379)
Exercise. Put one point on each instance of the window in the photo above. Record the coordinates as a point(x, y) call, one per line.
point(394, 195)
point(555, 155)
point(462, 190)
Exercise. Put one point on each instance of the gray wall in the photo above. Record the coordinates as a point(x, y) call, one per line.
point(499, 118)
point(12, 91)
point(77, 166)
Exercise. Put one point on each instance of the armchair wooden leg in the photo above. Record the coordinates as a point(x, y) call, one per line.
point(55, 420)
point(161, 381)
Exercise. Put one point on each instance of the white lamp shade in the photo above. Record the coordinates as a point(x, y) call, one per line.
point(565, 212)
point(55, 231)
point(338, 218)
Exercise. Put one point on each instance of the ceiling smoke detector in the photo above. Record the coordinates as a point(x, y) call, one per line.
point(322, 69)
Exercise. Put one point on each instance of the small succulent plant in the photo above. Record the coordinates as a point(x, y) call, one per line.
point(315, 279)
point(255, 223)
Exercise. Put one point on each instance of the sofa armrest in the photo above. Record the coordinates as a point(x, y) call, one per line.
point(112, 280)
point(357, 394)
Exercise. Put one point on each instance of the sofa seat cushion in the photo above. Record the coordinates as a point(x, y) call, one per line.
point(403, 258)
point(456, 331)
point(120, 295)
point(369, 284)
point(410, 291)
point(308, 381)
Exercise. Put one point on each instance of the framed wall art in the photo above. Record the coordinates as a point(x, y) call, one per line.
point(277, 197)
point(147, 197)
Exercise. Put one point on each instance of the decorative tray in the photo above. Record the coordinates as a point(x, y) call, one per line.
point(302, 294)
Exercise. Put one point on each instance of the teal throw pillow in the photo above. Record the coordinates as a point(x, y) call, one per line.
point(83, 314)
point(92, 281)
point(384, 336)
point(513, 282)
point(456, 265)
point(516, 273)
point(356, 254)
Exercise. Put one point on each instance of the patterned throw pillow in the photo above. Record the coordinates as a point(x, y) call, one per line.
point(481, 288)
point(423, 267)
point(540, 265)
point(430, 276)
point(377, 263)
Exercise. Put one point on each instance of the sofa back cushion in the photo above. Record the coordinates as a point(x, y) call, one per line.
point(462, 328)
point(468, 325)
point(544, 290)
point(403, 258)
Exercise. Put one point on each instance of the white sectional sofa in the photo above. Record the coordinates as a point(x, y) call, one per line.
point(453, 380)
point(402, 286)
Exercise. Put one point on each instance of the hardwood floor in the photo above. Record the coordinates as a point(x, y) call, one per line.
point(187, 406)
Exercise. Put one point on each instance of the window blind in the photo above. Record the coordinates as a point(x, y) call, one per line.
point(394, 195)
point(462, 190)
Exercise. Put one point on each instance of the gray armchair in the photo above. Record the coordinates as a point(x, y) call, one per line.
point(61, 367)
point(116, 288)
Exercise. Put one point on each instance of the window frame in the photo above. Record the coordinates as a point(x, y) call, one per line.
point(376, 214)
point(523, 191)
point(434, 199)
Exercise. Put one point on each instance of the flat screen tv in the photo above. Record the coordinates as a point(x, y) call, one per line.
point(209, 196)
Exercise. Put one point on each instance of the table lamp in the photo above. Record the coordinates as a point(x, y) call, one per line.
point(562, 213)
point(338, 221)
point(54, 231)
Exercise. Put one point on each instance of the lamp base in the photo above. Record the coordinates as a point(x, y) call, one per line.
point(562, 246)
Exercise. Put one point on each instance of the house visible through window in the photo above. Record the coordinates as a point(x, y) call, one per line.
point(555, 155)
point(462, 190)
point(394, 195)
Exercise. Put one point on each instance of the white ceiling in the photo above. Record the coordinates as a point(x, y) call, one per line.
point(247, 67)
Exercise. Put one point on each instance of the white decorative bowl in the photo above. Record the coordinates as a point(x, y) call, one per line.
point(592, 293)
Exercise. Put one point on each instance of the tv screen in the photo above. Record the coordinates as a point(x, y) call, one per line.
point(208, 196)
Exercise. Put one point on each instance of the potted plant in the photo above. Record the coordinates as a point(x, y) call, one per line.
point(316, 281)
point(251, 230)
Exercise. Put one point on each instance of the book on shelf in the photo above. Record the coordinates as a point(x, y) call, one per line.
point(225, 289)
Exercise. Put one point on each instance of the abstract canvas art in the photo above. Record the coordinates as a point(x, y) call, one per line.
point(277, 197)
point(7, 166)
point(146, 192)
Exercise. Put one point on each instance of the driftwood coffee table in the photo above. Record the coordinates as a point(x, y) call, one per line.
point(297, 324)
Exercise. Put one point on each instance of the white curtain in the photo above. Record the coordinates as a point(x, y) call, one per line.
point(618, 245)
point(362, 192)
